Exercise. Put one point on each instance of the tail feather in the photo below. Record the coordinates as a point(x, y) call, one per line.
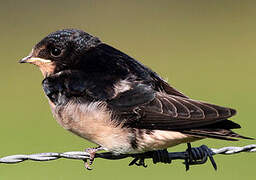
point(223, 134)
point(220, 130)
point(225, 124)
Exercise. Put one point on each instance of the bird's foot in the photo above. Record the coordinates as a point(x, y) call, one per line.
point(138, 161)
point(91, 152)
point(157, 156)
point(199, 155)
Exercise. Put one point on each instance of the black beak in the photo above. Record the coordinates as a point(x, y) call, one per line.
point(25, 59)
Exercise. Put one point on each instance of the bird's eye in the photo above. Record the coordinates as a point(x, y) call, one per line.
point(56, 52)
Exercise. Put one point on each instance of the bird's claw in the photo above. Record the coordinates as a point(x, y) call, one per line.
point(87, 165)
point(91, 152)
point(157, 156)
point(138, 162)
point(199, 155)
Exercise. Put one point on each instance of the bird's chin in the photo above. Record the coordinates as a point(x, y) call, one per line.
point(47, 69)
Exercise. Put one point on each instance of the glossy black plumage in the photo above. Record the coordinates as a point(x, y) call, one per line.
point(87, 71)
point(150, 103)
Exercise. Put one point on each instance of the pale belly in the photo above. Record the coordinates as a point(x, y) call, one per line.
point(93, 122)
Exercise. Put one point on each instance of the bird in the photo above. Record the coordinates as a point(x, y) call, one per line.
point(109, 98)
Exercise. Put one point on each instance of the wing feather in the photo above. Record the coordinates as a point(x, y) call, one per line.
point(166, 112)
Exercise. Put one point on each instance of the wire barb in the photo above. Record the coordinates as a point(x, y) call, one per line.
point(157, 156)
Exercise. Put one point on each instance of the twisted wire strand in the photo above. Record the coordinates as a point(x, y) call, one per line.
point(79, 155)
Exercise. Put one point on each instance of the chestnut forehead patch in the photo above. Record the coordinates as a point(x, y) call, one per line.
point(36, 50)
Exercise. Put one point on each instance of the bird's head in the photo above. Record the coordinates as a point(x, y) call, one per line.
point(60, 51)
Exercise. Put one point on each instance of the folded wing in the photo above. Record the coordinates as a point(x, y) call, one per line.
point(160, 111)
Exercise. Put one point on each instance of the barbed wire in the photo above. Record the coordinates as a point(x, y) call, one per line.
point(80, 155)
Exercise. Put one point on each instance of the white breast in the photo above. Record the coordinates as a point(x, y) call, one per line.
point(93, 122)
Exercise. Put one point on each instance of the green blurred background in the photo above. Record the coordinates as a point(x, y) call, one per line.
point(206, 49)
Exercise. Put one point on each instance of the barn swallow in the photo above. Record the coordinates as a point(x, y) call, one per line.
point(107, 97)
